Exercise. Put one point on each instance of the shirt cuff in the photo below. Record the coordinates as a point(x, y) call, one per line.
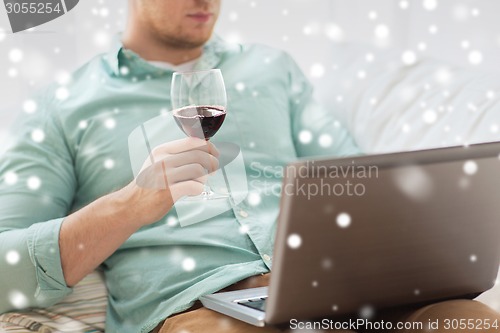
point(43, 247)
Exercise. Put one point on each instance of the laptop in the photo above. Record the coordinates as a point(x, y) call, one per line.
point(379, 231)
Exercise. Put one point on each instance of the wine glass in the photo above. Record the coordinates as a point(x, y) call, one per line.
point(199, 108)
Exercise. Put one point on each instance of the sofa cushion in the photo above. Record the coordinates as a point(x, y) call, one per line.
point(84, 310)
point(391, 104)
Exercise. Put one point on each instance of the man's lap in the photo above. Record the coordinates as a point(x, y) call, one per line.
point(201, 320)
point(448, 315)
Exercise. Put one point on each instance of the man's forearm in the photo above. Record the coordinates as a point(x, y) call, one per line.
point(90, 235)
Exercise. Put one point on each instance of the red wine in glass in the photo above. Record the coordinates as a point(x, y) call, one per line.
point(199, 108)
point(200, 121)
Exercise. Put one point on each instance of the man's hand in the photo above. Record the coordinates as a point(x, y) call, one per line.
point(172, 171)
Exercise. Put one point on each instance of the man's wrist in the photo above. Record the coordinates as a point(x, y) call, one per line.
point(124, 206)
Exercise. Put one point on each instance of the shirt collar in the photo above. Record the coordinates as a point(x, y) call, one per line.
point(124, 62)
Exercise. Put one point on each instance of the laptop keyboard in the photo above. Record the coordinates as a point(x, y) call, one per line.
point(256, 303)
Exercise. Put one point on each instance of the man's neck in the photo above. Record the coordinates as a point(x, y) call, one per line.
point(152, 49)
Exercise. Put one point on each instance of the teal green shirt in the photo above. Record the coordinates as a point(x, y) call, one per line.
point(74, 149)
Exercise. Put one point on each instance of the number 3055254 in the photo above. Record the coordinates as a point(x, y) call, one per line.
point(33, 7)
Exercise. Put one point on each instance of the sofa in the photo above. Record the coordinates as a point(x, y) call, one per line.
point(389, 101)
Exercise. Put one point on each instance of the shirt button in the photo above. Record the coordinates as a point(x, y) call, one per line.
point(266, 257)
point(243, 213)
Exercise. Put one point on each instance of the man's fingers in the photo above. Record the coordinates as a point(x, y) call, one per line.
point(203, 179)
point(189, 159)
point(160, 176)
point(209, 162)
point(186, 173)
point(190, 188)
point(212, 149)
point(187, 144)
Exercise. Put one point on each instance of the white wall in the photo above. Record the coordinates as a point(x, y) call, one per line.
point(299, 26)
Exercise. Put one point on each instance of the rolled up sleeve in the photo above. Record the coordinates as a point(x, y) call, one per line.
point(43, 247)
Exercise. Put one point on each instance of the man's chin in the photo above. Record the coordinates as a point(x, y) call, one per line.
point(188, 43)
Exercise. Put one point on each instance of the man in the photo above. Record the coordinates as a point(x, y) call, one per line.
point(70, 202)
